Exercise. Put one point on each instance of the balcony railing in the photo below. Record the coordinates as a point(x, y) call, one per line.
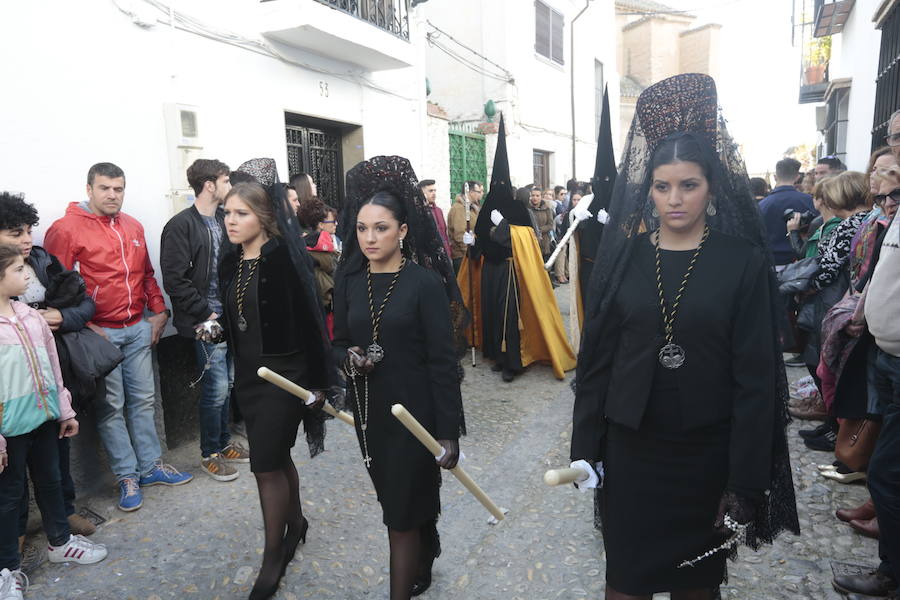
point(388, 15)
point(815, 52)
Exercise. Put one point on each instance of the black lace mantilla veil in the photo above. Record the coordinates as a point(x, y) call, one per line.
point(688, 103)
point(264, 172)
point(422, 243)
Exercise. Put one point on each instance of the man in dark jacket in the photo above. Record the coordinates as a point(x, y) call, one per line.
point(189, 258)
point(784, 197)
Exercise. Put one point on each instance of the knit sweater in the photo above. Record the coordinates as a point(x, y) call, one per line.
point(882, 315)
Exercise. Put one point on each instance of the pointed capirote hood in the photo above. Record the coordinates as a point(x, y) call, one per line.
point(501, 196)
point(604, 178)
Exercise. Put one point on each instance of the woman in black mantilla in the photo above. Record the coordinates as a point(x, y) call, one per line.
point(680, 390)
point(274, 320)
point(393, 338)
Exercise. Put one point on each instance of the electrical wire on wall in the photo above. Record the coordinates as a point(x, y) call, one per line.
point(168, 16)
point(434, 37)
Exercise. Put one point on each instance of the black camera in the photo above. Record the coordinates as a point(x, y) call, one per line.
point(806, 217)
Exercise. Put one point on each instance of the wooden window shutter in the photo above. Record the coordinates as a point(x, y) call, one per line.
point(542, 28)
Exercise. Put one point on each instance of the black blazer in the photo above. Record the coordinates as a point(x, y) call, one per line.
point(287, 319)
point(725, 325)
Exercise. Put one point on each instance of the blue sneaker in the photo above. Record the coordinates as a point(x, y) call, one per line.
point(130, 496)
point(163, 474)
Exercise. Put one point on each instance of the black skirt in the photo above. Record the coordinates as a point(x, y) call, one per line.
point(659, 501)
point(271, 415)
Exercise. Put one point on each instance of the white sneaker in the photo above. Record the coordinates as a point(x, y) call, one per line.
point(78, 550)
point(13, 584)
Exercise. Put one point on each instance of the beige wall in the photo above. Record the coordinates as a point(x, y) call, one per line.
point(699, 50)
point(626, 112)
point(651, 49)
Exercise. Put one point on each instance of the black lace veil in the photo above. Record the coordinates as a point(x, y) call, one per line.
point(264, 172)
point(688, 103)
point(422, 244)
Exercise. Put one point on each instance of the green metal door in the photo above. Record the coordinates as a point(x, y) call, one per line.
point(467, 160)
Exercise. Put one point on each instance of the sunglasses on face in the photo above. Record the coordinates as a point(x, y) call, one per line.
point(894, 196)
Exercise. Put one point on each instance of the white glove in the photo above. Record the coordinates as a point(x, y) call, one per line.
point(468, 238)
point(582, 210)
point(602, 216)
point(593, 476)
point(496, 217)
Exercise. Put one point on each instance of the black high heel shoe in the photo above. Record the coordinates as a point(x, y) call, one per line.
point(432, 544)
point(291, 543)
point(259, 593)
point(422, 584)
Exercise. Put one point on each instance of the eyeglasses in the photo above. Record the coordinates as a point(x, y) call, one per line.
point(892, 140)
point(894, 195)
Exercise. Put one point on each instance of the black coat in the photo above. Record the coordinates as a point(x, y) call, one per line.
point(185, 259)
point(65, 290)
point(287, 321)
point(725, 327)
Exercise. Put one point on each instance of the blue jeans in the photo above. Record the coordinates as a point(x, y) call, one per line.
point(884, 468)
point(38, 452)
point(215, 388)
point(125, 417)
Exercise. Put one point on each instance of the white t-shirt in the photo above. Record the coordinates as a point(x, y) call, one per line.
point(35, 292)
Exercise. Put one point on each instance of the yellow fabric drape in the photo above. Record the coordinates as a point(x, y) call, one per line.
point(471, 300)
point(543, 336)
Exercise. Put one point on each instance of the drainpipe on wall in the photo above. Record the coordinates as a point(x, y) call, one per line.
point(572, 77)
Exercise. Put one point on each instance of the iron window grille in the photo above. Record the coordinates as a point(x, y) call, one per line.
point(887, 83)
point(391, 16)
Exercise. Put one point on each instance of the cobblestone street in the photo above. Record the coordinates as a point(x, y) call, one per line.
point(204, 540)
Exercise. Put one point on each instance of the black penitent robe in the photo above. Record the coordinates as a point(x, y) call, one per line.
point(500, 306)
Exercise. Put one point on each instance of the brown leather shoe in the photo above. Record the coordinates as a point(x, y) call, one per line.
point(81, 526)
point(873, 583)
point(860, 513)
point(868, 528)
point(812, 408)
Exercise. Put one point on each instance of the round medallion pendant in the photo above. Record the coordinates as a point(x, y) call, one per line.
point(375, 353)
point(671, 356)
point(242, 323)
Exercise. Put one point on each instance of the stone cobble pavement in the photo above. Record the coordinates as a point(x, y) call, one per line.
point(204, 540)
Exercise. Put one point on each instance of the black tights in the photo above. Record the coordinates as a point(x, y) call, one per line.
point(405, 561)
point(279, 498)
point(701, 594)
point(412, 554)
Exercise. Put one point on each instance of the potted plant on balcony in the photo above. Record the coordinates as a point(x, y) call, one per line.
point(818, 53)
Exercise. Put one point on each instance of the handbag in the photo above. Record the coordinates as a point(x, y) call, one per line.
point(797, 276)
point(856, 442)
point(85, 357)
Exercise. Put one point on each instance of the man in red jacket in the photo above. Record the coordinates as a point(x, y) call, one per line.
point(110, 252)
